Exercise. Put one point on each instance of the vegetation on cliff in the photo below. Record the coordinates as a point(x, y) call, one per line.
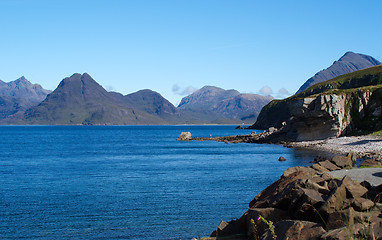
point(349, 104)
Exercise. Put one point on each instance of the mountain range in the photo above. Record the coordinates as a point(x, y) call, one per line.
point(80, 100)
point(348, 63)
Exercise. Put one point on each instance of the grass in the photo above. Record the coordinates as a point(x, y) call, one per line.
point(370, 167)
point(378, 133)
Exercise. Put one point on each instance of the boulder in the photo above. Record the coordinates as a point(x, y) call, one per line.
point(256, 228)
point(296, 230)
point(342, 161)
point(362, 204)
point(370, 163)
point(282, 159)
point(319, 168)
point(329, 165)
point(343, 233)
point(309, 171)
point(340, 218)
point(184, 136)
point(263, 199)
point(231, 229)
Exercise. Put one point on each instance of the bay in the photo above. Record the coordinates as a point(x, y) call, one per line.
point(129, 182)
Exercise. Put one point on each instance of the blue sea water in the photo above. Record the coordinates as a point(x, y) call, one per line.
point(129, 182)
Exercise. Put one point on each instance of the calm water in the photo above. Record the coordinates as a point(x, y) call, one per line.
point(129, 182)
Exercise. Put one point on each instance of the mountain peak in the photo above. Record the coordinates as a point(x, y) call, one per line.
point(348, 63)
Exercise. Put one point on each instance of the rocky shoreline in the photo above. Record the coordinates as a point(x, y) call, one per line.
point(323, 201)
point(365, 147)
point(310, 203)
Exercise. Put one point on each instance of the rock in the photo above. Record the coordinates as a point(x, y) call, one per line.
point(353, 157)
point(354, 189)
point(272, 130)
point(291, 170)
point(329, 165)
point(340, 218)
point(263, 199)
point(258, 228)
point(184, 136)
point(281, 159)
point(296, 230)
point(319, 168)
point(362, 204)
point(342, 162)
point(370, 163)
point(229, 229)
point(343, 233)
point(239, 127)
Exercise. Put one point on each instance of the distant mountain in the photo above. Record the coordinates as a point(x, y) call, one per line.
point(23, 89)
point(348, 63)
point(19, 95)
point(216, 105)
point(81, 100)
point(150, 102)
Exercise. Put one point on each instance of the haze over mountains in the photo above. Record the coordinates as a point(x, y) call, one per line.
point(80, 100)
point(348, 63)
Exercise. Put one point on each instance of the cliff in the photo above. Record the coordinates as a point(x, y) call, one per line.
point(349, 104)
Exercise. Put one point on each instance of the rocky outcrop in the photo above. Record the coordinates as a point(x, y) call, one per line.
point(348, 105)
point(184, 136)
point(306, 203)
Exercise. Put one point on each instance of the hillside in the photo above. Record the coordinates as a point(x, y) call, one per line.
point(348, 104)
point(348, 63)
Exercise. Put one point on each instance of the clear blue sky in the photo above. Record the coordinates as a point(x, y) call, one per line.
point(168, 45)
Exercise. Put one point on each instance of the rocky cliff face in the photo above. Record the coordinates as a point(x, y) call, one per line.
point(334, 115)
point(342, 106)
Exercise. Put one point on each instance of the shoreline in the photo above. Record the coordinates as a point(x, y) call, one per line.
point(365, 147)
point(331, 199)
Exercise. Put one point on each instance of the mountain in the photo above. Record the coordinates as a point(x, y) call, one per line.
point(19, 95)
point(79, 99)
point(348, 63)
point(346, 105)
point(216, 105)
point(206, 98)
point(23, 89)
point(151, 102)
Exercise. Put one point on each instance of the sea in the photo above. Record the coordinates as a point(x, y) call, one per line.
point(129, 182)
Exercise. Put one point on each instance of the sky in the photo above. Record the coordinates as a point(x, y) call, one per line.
point(177, 46)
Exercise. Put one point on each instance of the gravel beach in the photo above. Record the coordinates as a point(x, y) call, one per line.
point(363, 146)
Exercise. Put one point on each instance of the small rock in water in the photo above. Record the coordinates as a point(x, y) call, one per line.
point(281, 159)
point(184, 136)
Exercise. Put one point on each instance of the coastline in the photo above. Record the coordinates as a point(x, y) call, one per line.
point(331, 199)
point(365, 147)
